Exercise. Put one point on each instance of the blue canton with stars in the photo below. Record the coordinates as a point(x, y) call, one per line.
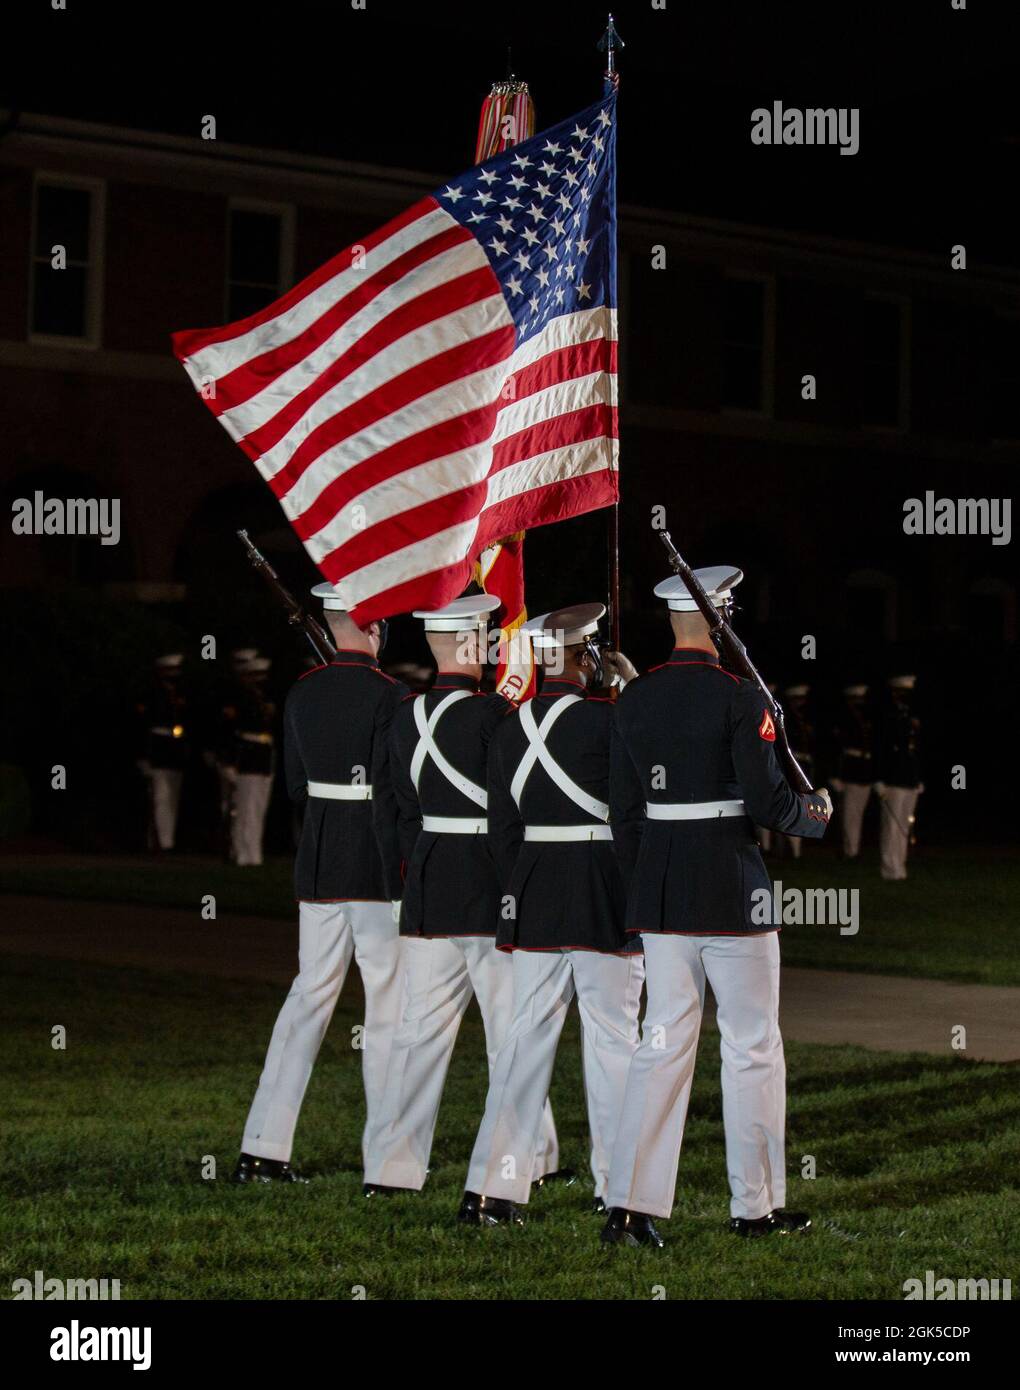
point(544, 212)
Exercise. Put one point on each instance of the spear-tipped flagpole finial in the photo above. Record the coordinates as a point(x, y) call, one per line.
point(609, 43)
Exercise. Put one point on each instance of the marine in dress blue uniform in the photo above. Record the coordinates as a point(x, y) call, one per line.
point(451, 894)
point(347, 873)
point(693, 770)
point(563, 917)
point(854, 738)
point(899, 776)
point(165, 749)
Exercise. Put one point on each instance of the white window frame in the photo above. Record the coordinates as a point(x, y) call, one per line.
point(95, 266)
point(768, 346)
point(902, 424)
point(285, 212)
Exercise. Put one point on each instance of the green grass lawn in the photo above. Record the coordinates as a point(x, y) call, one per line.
point(102, 1147)
point(955, 918)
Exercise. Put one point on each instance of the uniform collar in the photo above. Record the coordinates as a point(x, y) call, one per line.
point(561, 685)
point(692, 656)
point(346, 657)
point(455, 680)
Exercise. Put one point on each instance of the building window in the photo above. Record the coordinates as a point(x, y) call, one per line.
point(64, 303)
point(885, 363)
point(259, 256)
point(1002, 373)
point(746, 346)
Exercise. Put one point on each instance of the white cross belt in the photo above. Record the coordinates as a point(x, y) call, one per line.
point(693, 810)
point(341, 791)
point(567, 832)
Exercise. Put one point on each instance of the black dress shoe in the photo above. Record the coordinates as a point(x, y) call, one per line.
point(252, 1169)
point(380, 1189)
point(630, 1228)
point(598, 1207)
point(564, 1175)
point(479, 1210)
point(777, 1222)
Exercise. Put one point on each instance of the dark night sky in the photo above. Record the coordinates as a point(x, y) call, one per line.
point(400, 84)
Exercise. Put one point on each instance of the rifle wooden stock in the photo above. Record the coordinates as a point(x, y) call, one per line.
point(733, 652)
point(318, 638)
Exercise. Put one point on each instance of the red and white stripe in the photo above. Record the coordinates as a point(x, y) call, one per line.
point(386, 404)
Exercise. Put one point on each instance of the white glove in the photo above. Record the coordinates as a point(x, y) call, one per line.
point(395, 908)
point(826, 798)
point(619, 667)
point(880, 790)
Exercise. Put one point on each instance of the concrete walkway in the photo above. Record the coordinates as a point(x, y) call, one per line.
point(886, 1012)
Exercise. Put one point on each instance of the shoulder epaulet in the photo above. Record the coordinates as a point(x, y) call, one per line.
point(312, 670)
point(392, 680)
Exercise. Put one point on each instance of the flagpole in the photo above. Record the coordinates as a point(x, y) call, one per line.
point(609, 43)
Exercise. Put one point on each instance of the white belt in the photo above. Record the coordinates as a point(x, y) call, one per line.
point(454, 825)
point(567, 832)
point(693, 810)
point(341, 791)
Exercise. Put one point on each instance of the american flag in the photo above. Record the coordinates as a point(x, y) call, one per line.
point(447, 381)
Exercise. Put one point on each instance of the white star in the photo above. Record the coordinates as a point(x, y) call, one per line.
point(542, 276)
point(533, 301)
point(577, 219)
point(605, 118)
point(522, 161)
point(558, 226)
point(578, 133)
point(592, 168)
point(529, 236)
point(518, 182)
point(551, 252)
point(547, 168)
point(503, 223)
point(597, 144)
point(487, 176)
point(523, 261)
point(512, 203)
point(498, 246)
point(514, 285)
point(559, 296)
point(552, 148)
point(568, 270)
point(576, 156)
point(582, 246)
point(477, 217)
point(482, 197)
point(564, 202)
point(583, 290)
point(570, 176)
point(535, 211)
point(454, 194)
point(543, 190)
point(585, 194)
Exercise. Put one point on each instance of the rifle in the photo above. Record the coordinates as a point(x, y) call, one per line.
point(734, 653)
point(319, 639)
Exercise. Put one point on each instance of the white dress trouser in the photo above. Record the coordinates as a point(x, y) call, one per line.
point(166, 798)
point(330, 934)
point(898, 807)
point(251, 802)
point(441, 975)
point(608, 991)
point(744, 974)
point(852, 805)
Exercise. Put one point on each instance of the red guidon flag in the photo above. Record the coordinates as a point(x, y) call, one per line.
point(446, 382)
